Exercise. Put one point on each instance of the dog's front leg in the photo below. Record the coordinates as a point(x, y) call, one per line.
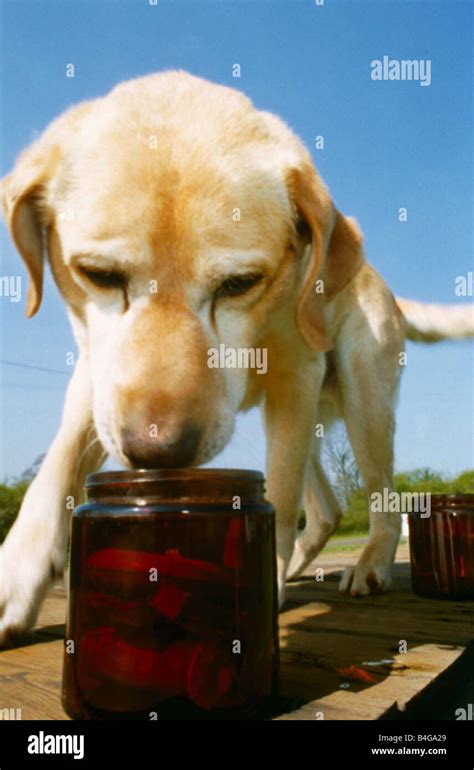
point(291, 403)
point(35, 549)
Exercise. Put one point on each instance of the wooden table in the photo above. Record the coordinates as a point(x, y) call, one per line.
point(341, 658)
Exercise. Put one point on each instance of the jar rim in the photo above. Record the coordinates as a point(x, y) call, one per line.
point(171, 474)
point(440, 500)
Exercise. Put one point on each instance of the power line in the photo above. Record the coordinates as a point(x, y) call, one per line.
point(37, 368)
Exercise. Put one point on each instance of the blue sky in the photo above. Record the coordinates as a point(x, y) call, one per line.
point(387, 145)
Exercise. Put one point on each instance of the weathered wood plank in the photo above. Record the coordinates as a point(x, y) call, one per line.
point(30, 679)
point(401, 682)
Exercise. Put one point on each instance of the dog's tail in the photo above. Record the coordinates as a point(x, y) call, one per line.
point(425, 322)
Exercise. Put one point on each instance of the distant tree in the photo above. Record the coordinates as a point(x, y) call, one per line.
point(30, 473)
point(340, 465)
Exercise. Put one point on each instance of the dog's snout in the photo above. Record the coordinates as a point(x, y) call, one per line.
point(163, 450)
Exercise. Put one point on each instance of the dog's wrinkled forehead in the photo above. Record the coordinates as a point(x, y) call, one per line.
point(170, 181)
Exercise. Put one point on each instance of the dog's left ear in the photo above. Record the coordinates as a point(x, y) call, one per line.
point(336, 253)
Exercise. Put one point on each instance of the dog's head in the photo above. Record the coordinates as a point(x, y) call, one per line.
point(179, 219)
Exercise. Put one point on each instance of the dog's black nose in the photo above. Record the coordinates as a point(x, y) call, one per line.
point(161, 451)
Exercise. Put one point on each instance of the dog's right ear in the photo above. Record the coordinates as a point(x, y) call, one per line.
point(22, 196)
point(25, 197)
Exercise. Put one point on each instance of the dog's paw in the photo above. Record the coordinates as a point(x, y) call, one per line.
point(21, 592)
point(307, 547)
point(365, 578)
point(305, 551)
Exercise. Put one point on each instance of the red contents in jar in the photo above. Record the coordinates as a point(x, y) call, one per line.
point(233, 544)
point(131, 571)
point(121, 612)
point(204, 672)
point(171, 563)
point(442, 548)
point(194, 612)
point(170, 600)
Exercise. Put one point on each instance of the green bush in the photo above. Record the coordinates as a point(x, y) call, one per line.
point(355, 519)
point(10, 500)
point(463, 484)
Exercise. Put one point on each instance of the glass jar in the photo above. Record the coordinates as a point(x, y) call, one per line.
point(442, 548)
point(173, 607)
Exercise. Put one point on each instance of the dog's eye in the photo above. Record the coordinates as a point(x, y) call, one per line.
point(104, 279)
point(236, 285)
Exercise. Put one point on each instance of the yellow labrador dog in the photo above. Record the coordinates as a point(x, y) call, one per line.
point(177, 218)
